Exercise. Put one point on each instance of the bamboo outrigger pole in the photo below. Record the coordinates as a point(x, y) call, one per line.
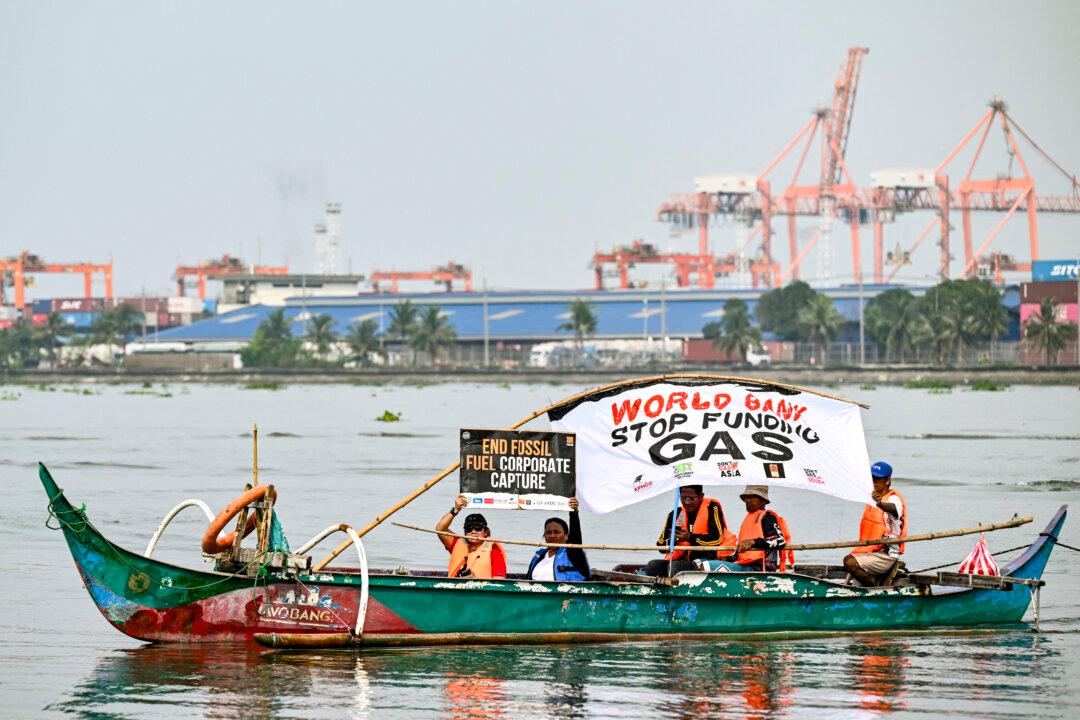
point(532, 416)
point(1014, 522)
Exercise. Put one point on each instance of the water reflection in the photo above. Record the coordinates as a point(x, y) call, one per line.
point(863, 676)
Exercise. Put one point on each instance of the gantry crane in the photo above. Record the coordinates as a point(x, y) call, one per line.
point(688, 266)
point(445, 274)
point(930, 189)
point(749, 198)
point(224, 267)
point(13, 272)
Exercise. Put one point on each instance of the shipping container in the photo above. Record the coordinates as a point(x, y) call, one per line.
point(6, 324)
point(903, 178)
point(1033, 292)
point(143, 304)
point(8, 312)
point(163, 320)
point(1055, 270)
point(39, 319)
point(1066, 312)
point(77, 305)
point(41, 306)
point(80, 320)
point(702, 351)
point(180, 305)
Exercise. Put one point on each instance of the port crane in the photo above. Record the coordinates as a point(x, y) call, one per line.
point(14, 271)
point(223, 267)
point(445, 274)
point(751, 200)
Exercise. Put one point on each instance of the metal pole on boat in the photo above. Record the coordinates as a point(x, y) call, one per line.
point(255, 452)
point(671, 532)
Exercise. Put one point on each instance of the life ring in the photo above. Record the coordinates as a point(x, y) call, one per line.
point(211, 543)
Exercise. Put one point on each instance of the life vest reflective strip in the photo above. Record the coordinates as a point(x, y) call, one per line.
point(701, 527)
point(874, 523)
point(562, 568)
point(478, 561)
point(751, 530)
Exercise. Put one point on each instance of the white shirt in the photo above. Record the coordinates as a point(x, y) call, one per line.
point(893, 525)
point(545, 569)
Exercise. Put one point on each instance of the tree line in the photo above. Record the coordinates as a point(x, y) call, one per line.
point(422, 330)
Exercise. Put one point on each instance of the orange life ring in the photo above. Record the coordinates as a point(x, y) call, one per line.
point(211, 543)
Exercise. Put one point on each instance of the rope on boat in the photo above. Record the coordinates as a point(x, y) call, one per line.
point(1053, 539)
point(83, 523)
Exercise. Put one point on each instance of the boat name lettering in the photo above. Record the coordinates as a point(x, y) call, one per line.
point(300, 614)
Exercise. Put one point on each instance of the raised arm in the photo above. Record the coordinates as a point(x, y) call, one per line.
point(444, 522)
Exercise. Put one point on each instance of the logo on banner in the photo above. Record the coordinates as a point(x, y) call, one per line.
point(813, 476)
point(774, 471)
point(640, 483)
point(683, 470)
point(729, 469)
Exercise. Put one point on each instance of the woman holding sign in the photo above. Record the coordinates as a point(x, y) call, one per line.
point(474, 556)
point(561, 563)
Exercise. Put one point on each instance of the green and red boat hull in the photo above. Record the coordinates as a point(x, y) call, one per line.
point(156, 601)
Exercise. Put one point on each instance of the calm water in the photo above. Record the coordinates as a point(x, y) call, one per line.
point(960, 458)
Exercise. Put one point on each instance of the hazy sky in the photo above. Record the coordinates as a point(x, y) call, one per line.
point(513, 137)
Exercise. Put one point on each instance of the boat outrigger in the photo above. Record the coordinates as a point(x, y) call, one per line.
point(280, 598)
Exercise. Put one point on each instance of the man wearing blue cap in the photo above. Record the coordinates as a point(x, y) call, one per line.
point(886, 518)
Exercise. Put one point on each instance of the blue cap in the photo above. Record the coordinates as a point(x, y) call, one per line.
point(881, 469)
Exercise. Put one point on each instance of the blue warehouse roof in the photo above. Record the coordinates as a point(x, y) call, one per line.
point(527, 315)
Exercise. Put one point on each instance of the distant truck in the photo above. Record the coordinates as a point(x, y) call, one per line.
point(703, 351)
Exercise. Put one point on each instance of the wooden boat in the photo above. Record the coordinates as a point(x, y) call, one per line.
point(279, 604)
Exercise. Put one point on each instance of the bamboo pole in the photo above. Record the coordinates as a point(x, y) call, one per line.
point(1014, 522)
point(533, 415)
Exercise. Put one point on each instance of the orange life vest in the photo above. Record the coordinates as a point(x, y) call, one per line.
point(478, 561)
point(701, 527)
point(751, 530)
point(873, 524)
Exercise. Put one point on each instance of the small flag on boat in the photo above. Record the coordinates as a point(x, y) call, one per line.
point(979, 561)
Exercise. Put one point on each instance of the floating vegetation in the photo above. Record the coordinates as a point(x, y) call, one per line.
point(1051, 485)
point(989, 386)
point(939, 391)
point(10, 396)
point(264, 385)
point(385, 434)
point(503, 385)
point(389, 416)
point(944, 385)
point(367, 383)
point(80, 391)
point(42, 387)
point(152, 393)
point(868, 386)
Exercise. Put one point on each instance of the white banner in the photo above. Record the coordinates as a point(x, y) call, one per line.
point(640, 441)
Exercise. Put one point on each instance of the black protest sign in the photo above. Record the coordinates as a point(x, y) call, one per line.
point(517, 469)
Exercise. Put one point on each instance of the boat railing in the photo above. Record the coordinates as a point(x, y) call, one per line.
point(361, 553)
point(193, 502)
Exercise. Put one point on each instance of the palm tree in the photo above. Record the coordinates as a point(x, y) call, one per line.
point(894, 320)
point(113, 327)
point(432, 332)
point(18, 348)
point(1045, 332)
point(818, 323)
point(403, 320)
point(581, 321)
point(50, 333)
point(363, 341)
point(734, 333)
point(321, 334)
point(988, 320)
point(275, 329)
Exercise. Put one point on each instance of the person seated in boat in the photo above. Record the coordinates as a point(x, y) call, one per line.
point(886, 518)
point(473, 557)
point(700, 523)
point(763, 537)
point(561, 563)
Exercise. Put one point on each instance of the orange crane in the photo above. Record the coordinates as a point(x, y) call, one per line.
point(749, 198)
point(13, 272)
point(702, 267)
point(445, 274)
point(1003, 194)
point(227, 265)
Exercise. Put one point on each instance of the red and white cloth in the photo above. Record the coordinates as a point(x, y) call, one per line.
point(979, 561)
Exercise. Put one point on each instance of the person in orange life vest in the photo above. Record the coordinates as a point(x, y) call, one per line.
point(700, 524)
point(473, 557)
point(762, 537)
point(886, 518)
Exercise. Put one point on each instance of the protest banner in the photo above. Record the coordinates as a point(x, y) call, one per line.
point(524, 470)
